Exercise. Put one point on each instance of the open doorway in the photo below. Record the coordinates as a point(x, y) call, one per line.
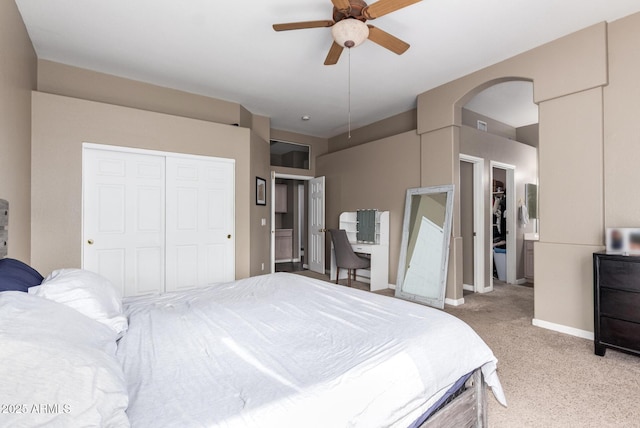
point(508, 146)
point(503, 215)
point(290, 224)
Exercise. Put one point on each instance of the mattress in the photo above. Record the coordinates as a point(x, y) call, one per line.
point(286, 350)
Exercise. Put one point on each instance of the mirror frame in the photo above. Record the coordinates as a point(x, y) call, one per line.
point(438, 301)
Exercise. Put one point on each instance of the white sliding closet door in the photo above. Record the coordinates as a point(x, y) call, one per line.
point(153, 222)
point(200, 222)
point(124, 223)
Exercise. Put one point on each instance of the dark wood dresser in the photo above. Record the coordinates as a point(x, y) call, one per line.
point(616, 282)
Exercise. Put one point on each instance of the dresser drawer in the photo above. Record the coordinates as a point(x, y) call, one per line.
point(361, 248)
point(619, 333)
point(620, 304)
point(619, 274)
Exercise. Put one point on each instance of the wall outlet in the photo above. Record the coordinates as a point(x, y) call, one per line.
point(482, 125)
point(262, 267)
point(263, 222)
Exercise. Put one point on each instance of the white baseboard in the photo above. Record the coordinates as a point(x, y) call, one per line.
point(453, 302)
point(468, 287)
point(563, 329)
point(521, 281)
point(392, 286)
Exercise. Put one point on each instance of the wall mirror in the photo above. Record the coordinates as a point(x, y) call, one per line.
point(424, 252)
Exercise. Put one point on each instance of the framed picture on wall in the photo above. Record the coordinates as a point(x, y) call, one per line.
point(261, 191)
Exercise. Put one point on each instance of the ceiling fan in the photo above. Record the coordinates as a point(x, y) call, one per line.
point(349, 28)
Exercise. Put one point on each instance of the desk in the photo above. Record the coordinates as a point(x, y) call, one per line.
point(378, 274)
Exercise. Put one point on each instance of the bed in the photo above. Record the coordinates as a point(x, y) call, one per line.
point(274, 350)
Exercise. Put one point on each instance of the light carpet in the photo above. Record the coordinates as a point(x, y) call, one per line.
point(550, 379)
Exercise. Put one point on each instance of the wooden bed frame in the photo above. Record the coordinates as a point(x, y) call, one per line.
point(468, 409)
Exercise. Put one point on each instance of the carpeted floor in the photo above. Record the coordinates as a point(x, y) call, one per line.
point(550, 379)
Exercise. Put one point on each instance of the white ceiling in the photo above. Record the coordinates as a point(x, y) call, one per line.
point(228, 49)
point(508, 102)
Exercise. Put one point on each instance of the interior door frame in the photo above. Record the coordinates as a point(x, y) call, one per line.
point(275, 175)
point(478, 224)
point(511, 219)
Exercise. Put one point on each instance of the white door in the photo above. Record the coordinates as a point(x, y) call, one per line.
point(317, 225)
point(478, 191)
point(200, 222)
point(123, 219)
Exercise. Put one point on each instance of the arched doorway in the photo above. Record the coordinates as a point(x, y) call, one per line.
point(499, 131)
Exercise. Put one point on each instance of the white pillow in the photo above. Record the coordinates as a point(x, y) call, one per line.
point(87, 292)
point(59, 367)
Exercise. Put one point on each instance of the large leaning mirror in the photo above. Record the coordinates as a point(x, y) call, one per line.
point(424, 253)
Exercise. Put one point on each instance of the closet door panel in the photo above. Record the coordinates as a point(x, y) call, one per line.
point(149, 275)
point(187, 266)
point(123, 219)
point(200, 222)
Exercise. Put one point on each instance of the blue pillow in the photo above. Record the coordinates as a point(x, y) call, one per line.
point(15, 275)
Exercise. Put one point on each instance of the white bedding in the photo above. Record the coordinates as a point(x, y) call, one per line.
point(283, 350)
point(57, 367)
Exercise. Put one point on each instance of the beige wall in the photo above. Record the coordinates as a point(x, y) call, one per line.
point(393, 125)
point(374, 175)
point(567, 65)
point(62, 79)
point(529, 134)
point(69, 81)
point(17, 78)
point(318, 148)
point(260, 235)
point(588, 96)
point(622, 124)
point(60, 126)
point(470, 119)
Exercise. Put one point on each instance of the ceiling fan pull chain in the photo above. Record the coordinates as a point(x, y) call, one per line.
point(349, 92)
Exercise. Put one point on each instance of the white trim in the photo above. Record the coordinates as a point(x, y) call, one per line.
point(392, 286)
point(453, 302)
point(272, 211)
point(106, 147)
point(468, 287)
point(521, 281)
point(478, 223)
point(275, 175)
point(302, 196)
point(563, 329)
point(292, 176)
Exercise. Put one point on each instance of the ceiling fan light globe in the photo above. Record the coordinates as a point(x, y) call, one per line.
point(349, 32)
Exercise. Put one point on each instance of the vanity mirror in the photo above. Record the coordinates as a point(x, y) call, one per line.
point(424, 252)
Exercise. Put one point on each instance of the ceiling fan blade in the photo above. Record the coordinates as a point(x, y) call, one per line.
point(383, 7)
point(302, 25)
point(386, 40)
point(334, 54)
point(342, 5)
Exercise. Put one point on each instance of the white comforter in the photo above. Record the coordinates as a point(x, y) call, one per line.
point(283, 350)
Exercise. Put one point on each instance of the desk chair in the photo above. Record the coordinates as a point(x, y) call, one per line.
point(345, 257)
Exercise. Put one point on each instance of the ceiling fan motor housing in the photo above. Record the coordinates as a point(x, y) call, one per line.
point(355, 11)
